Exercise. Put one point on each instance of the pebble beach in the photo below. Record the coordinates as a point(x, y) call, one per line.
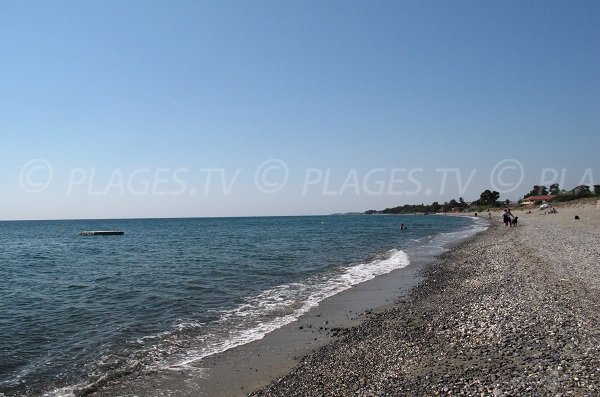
point(510, 312)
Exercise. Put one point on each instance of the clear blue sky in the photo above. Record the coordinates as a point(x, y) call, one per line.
point(127, 104)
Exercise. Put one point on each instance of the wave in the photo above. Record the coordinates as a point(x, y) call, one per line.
point(249, 321)
point(281, 305)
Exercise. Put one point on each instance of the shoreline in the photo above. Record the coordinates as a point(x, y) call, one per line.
point(508, 312)
point(248, 367)
point(251, 366)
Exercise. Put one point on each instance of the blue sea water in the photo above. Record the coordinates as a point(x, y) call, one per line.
point(76, 311)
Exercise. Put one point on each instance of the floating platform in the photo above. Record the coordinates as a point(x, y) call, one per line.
point(102, 233)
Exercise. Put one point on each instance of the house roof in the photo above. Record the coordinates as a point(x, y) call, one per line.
point(539, 198)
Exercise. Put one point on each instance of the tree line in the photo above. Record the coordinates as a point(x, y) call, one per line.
point(564, 195)
point(491, 199)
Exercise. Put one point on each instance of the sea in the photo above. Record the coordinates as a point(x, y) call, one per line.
point(77, 311)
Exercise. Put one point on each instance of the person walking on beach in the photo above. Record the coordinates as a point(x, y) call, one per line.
point(510, 218)
point(506, 218)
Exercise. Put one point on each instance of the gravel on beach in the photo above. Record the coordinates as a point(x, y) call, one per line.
point(510, 312)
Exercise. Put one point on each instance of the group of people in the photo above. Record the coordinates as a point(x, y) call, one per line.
point(508, 218)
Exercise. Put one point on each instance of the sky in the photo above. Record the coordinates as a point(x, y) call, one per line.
point(127, 109)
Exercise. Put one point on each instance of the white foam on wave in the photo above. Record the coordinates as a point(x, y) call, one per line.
point(281, 305)
point(61, 392)
point(256, 317)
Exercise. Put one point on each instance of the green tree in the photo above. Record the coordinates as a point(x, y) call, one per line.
point(537, 191)
point(488, 197)
point(582, 191)
point(554, 189)
point(597, 189)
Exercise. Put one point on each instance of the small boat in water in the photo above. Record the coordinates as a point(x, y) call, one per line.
point(102, 233)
